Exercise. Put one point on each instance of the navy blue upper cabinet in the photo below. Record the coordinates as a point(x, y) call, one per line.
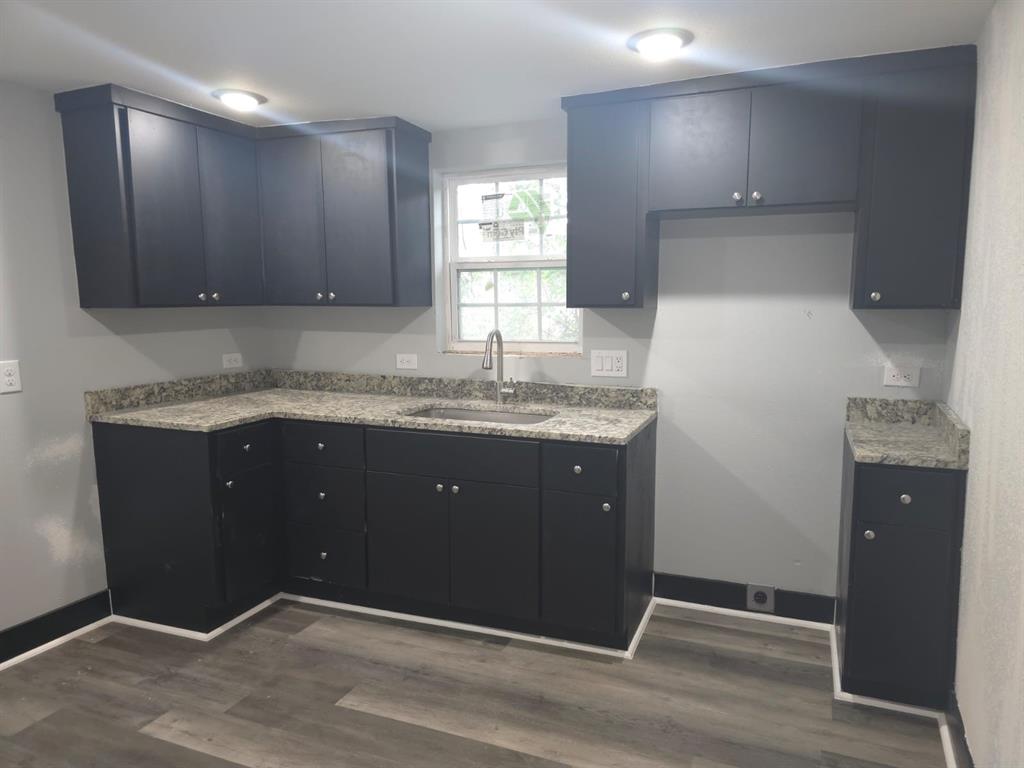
point(699, 151)
point(171, 206)
point(888, 137)
point(292, 216)
point(912, 213)
point(229, 191)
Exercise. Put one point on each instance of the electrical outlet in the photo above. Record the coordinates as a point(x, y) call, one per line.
point(901, 376)
point(760, 598)
point(232, 360)
point(609, 362)
point(10, 376)
point(407, 361)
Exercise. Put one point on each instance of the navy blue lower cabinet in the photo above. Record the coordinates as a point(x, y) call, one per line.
point(899, 573)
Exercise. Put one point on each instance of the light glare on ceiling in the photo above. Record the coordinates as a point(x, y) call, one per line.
point(240, 101)
point(660, 44)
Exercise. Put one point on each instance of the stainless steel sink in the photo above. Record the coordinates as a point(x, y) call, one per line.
point(472, 414)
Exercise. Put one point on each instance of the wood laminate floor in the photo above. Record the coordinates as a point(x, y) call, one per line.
point(303, 687)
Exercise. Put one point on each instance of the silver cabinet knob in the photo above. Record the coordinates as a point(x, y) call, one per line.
point(756, 196)
point(869, 535)
point(606, 507)
point(455, 489)
point(737, 196)
point(320, 446)
point(625, 295)
point(876, 296)
point(332, 296)
point(319, 296)
point(905, 498)
point(247, 447)
point(215, 296)
point(439, 488)
point(201, 297)
point(323, 555)
point(321, 495)
point(229, 484)
point(577, 470)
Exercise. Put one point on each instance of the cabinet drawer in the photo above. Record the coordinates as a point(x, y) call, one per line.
point(485, 459)
point(336, 557)
point(581, 469)
point(333, 445)
point(326, 496)
point(244, 448)
point(924, 498)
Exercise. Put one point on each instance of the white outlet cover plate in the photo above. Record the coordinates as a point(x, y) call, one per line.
point(232, 360)
point(901, 376)
point(10, 376)
point(407, 361)
point(609, 362)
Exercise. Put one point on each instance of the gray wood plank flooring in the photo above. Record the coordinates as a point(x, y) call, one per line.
point(299, 686)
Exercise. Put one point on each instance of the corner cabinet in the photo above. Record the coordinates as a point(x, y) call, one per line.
point(175, 207)
point(888, 137)
point(899, 575)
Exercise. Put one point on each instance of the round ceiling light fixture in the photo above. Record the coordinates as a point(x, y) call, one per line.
point(240, 101)
point(660, 44)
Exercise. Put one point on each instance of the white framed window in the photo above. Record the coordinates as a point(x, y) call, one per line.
point(504, 261)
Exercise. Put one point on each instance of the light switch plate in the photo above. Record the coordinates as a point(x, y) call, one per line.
point(10, 376)
point(609, 362)
point(901, 376)
point(232, 360)
point(407, 361)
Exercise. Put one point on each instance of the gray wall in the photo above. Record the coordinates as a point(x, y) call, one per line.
point(987, 391)
point(50, 544)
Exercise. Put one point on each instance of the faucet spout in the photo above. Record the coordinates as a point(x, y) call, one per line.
point(488, 364)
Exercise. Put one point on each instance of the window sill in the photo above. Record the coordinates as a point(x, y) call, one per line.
point(512, 353)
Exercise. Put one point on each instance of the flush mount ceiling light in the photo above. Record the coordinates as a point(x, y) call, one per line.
point(240, 101)
point(660, 44)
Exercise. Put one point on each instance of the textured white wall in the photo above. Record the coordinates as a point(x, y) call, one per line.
point(987, 390)
point(51, 551)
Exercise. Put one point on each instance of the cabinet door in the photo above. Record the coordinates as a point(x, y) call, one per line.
point(699, 150)
point(579, 561)
point(804, 143)
point(911, 216)
point(357, 217)
point(900, 614)
point(168, 217)
point(231, 218)
point(603, 241)
point(250, 533)
point(496, 548)
point(407, 536)
point(292, 215)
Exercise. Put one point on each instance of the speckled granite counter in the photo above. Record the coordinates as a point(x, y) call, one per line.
point(567, 422)
point(909, 433)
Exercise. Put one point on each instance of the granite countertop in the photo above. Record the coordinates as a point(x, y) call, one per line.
point(572, 423)
point(909, 433)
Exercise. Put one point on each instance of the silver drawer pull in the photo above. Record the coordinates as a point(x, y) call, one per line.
point(869, 535)
point(606, 507)
point(323, 555)
point(577, 470)
point(439, 488)
point(320, 446)
point(247, 447)
point(905, 498)
point(321, 495)
point(455, 489)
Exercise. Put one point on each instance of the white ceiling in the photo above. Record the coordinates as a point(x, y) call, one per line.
point(441, 64)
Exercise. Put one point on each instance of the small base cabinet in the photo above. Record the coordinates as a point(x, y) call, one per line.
point(898, 585)
point(533, 536)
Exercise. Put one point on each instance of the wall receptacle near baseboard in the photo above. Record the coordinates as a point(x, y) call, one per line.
point(760, 598)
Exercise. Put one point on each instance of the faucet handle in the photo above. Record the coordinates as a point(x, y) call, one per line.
point(508, 387)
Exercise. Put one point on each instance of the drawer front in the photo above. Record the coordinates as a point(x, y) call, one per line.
point(581, 469)
point(332, 445)
point(244, 448)
point(484, 459)
point(330, 497)
point(923, 498)
point(335, 557)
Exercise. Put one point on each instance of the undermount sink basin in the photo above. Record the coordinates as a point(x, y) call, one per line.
point(472, 414)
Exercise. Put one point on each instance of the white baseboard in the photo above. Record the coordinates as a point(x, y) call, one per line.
point(53, 643)
point(767, 617)
point(192, 634)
